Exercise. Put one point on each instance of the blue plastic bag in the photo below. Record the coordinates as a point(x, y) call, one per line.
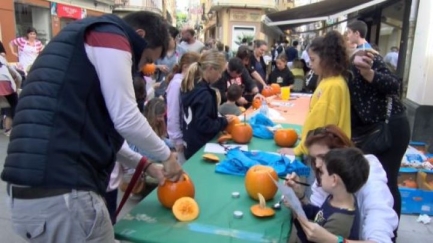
point(259, 124)
point(238, 162)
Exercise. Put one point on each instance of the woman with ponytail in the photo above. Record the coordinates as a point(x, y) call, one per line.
point(174, 120)
point(330, 102)
point(201, 122)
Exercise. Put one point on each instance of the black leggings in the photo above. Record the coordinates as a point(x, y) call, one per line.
point(391, 159)
point(13, 101)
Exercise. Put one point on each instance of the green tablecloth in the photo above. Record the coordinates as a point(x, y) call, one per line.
point(150, 222)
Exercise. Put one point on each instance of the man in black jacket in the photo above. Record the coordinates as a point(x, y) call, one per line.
point(71, 122)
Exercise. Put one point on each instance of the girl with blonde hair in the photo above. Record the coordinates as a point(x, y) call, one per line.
point(174, 120)
point(201, 122)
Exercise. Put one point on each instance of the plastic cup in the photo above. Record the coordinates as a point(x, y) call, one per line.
point(285, 93)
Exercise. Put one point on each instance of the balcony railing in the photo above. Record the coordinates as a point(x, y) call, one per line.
point(137, 5)
point(266, 4)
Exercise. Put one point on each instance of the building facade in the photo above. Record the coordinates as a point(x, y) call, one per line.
point(47, 17)
point(123, 7)
point(231, 21)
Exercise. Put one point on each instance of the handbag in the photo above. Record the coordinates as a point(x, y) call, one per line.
point(377, 139)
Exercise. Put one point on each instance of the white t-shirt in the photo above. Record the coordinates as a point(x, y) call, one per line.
point(197, 46)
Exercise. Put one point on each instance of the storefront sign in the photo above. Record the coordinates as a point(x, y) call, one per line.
point(245, 15)
point(66, 11)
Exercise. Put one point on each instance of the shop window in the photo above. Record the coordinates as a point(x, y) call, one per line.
point(31, 16)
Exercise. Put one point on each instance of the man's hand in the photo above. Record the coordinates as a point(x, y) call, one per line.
point(179, 148)
point(156, 171)
point(172, 169)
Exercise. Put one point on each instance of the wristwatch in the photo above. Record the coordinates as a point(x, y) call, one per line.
point(340, 239)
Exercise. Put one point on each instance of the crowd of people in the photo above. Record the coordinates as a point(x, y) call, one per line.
point(86, 117)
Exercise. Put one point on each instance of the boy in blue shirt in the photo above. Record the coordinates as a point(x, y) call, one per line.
point(343, 173)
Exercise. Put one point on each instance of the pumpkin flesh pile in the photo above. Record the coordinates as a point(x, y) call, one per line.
point(259, 180)
point(261, 210)
point(185, 209)
point(172, 191)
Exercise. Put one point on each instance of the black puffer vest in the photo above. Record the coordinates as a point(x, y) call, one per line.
point(63, 136)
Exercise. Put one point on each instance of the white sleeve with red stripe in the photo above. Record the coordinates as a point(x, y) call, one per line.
point(111, 56)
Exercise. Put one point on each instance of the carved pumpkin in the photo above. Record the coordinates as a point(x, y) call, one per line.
point(409, 183)
point(185, 209)
point(257, 103)
point(261, 210)
point(285, 137)
point(276, 88)
point(242, 133)
point(230, 126)
point(171, 191)
point(266, 92)
point(258, 179)
point(148, 69)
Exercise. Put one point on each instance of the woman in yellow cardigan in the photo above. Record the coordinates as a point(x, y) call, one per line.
point(330, 103)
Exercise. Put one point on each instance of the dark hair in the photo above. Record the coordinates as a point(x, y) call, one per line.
point(243, 52)
point(173, 31)
point(282, 57)
point(226, 48)
point(30, 30)
point(234, 92)
point(139, 84)
point(331, 49)
point(191, 31)
point(297, 63)
point(295, 43)
point(259, 43)
point(186, 59)
point(236, 65)
point(359, 26)
point(154, 25)
point(350, 165)
point(220, 46)
point(244, 40)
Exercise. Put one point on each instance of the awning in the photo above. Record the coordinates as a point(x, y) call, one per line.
point(319, 11)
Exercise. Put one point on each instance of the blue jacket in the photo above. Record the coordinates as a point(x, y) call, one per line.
point(63, 136)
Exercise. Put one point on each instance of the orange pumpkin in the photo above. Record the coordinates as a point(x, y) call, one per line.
point(185, 209)
point(148, 69)
point(257, 103)
point(266, 92)
point(410, 183)
point(259, 180)
point(276, 88)
point(230, 126)
point(171, 191)
point(242, 133)
point(285, 137)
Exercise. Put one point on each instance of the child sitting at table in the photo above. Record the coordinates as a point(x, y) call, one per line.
point(343, 173)
point(282, 74)
point(298, 69)
point(234, 92)
point(155, 111)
